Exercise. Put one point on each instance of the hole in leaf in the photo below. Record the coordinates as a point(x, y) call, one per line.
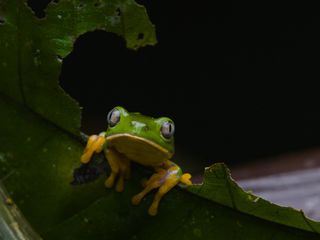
point(38, 7)
point(97, 4)
point(118, 12)
point(140, 36)
point(60, 59)
point(87, 74)
point(2, 21)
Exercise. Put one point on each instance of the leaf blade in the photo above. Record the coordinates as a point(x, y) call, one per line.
point(39, 142)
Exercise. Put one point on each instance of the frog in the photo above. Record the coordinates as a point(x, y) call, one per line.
point(147, 141)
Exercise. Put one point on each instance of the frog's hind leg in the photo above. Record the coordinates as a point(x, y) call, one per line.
point(112, 160)
point(124, 173)
point(172, 178)
point(120, 167)
point(154, 182)
point(165, 179)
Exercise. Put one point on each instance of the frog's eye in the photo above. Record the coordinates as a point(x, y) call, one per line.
point(113, 117)
point(167, 130)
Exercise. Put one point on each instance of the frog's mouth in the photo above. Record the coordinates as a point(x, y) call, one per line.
point(138, 148)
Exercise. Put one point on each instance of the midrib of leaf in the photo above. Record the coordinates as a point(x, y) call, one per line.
point(20, 79)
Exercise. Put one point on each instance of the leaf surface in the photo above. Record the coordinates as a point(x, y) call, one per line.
point(40, 144)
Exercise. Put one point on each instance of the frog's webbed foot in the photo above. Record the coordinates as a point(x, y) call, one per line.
point(94, 145)
point(120, 167)
point(165, 180)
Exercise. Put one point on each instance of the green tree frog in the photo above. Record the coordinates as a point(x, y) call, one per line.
point(145, 140)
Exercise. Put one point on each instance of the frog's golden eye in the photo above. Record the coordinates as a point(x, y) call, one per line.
point(167, 130)
point(113, 117)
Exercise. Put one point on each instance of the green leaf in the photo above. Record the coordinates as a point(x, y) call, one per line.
point(40, 146)
point(220, 188)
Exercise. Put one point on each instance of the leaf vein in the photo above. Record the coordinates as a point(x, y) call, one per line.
point(308, 223)
point(19, 65)
point(229, 189)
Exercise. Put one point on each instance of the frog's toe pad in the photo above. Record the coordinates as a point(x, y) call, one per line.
point(136, 199)
point(119, 187)
point(144, 182)
point(109, 182)
point(153, 210)
point(185, 179)
point(86, 157)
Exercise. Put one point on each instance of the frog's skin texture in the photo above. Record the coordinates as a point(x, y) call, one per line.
point(141, 139)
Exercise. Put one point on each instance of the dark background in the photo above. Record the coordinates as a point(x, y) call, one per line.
point(236, 77)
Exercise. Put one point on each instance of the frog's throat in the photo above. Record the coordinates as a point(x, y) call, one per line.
point(140, 139)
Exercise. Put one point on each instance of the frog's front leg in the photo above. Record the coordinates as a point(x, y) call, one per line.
point(120, 167)
point(165, 180)
point(95, 144)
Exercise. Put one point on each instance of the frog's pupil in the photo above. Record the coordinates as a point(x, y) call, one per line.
point(167, 129)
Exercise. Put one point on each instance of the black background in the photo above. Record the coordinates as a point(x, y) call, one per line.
point(238, 78)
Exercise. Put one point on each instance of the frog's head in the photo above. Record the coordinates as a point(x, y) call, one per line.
point(140, 137)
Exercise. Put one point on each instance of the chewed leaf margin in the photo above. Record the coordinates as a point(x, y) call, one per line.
point(218, 186)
